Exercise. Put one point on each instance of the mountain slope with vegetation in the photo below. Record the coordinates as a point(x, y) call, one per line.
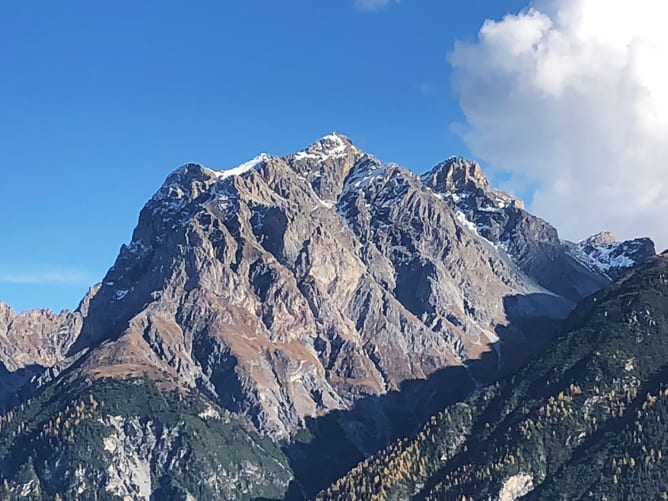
point(587, 419)
point(113, 439)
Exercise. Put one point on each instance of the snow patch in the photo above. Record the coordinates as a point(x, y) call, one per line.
point(244, 167)
point(362, 177)
point(602, 257)
point(461, 217)
point(329, 146)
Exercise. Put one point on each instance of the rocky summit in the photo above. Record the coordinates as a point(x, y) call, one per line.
point(324, 301)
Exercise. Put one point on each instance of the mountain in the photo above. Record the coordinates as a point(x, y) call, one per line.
point(532, 243)
point(33, 342)
point(602, 252)
point(325, 300)
point(587, 419)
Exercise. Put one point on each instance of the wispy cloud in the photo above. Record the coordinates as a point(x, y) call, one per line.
point(51, 277)
point(373, 5)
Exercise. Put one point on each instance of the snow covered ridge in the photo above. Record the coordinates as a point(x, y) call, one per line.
point(173, 196)
point(601, 252)
point(242, 168)
point(330, 146)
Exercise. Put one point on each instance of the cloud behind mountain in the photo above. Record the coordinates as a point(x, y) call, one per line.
point(572, 97)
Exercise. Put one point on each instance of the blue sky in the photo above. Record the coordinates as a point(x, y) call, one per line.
point(101, 100)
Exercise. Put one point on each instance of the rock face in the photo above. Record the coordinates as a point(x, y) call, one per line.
point(532, 243)
point(287, 289)
point(291, 287)
point(33, 341)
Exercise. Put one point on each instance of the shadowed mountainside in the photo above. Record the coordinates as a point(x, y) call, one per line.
point(586, 419)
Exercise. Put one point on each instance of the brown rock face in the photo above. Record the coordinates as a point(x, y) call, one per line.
point(457, 175)
point(32, 342)
point(604, 237)
point(291, 287)
point(288, 288)
point(39, 337)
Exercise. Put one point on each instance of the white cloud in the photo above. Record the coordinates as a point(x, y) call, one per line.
point(373, 4)
point(573, 95)
point(51, 277)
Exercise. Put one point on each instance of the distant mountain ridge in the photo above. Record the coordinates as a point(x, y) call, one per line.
point(296, 291)
point(602, 252)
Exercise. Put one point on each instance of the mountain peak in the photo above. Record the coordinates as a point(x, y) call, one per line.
point(332, 145)
point(603, 237)
point(326, 163)
point(458, 174)
point(336, 136)
point(459, 178)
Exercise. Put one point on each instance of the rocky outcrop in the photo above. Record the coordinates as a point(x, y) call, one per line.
point(516, 487)
point(38, 338)
point(33, 341)
point(532, 243)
